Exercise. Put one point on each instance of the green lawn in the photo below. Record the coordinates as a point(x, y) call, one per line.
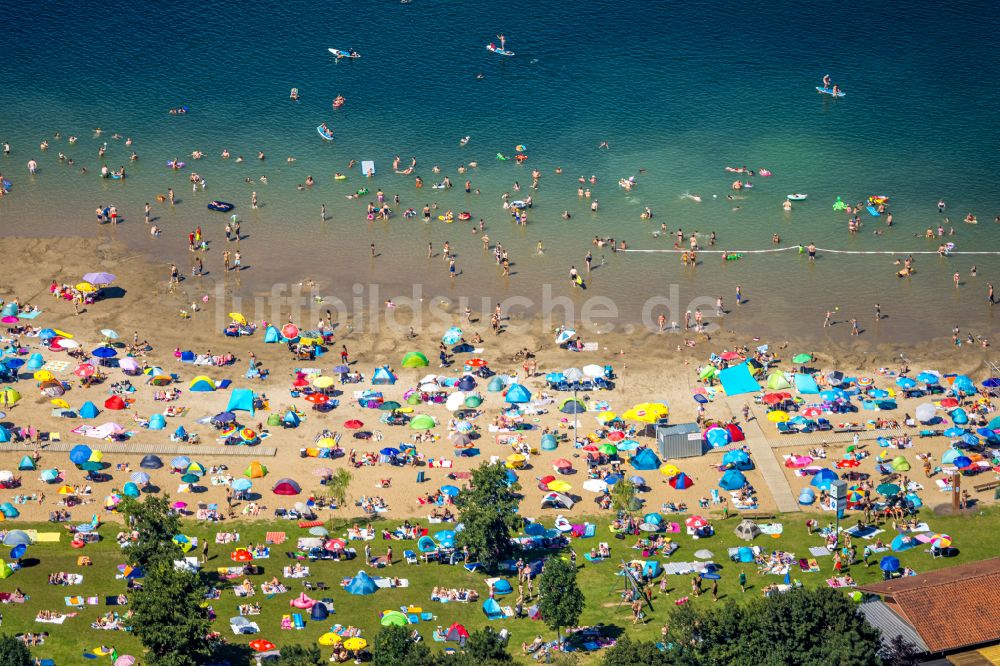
point(975, 534)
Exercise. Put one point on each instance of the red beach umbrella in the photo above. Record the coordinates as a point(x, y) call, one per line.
point(353, 424)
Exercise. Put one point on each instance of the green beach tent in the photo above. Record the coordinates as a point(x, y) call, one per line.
point(422, 422)
point(778, 381)
point(414, 359)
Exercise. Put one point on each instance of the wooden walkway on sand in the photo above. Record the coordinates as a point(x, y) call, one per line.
point(166, 448)
point(773, 473)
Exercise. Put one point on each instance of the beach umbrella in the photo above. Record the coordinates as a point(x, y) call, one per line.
point(595, 486)
point(889, 563)
point(888, 489)
point(948, 403)
point(559, 486)
point(929, 378)
point(564, 335)
point(647, 412)
point(109, 333)
point(389, 451)
point(47, 334)
point(317, 399)
point(340, 369)
point(476, 363)
point(555, 377)
point(450, 491)
point(190, 478)
point(80, 454)
point(140, 478)
point(452, 336)
point(323, 382)
point(86, 287)
point(802, 358)
point(238, 318)
point(180, 462)
point(261, 645)
point(124, 660)
point(954, 432)
point(669, 470)
point(355, 643)
point(43, 376)
point(941, 541)
point(104, 352)
point(390, 406)
point(290, 331)
point(777, 416)
point(905, 382)
point(696, 522)
point(49, 475)
point(99, 278)
point(329, 639)
point(242, 484)
point(9, 319)
point(775, 398)
point(463, 426)
point(962, 462)
point(353, 424)
point(84, 370)
point(561, 463)
point(608, 449)
point(63, 343)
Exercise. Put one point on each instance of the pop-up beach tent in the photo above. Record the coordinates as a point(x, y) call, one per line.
point(362, 583)
point(738, 380)
point(241, 400)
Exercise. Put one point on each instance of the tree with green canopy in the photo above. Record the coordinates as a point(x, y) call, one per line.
point(623, 496)
point(561, 601)
point(169, 619)
point(338, 485)
point(393, 647)
point(299, 655)
point(627, 652)
point(488, 509)
point(806, 626)
point(13, 652)
point(156, 524)
point(486, 646)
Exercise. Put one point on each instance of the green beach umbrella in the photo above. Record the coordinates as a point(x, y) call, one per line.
point(389, 406)
point(422, 422)
point(473, 401)
point(802, 358)
point(608, 449)
point(415, 359)
point(91, 466)
point(189, 478)
point(414, 399)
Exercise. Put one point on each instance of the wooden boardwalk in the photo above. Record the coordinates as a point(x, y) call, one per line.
point(167, 448)
point(772, 471)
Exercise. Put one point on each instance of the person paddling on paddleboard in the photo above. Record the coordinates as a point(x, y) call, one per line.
point(503, 42)
point(826, 81)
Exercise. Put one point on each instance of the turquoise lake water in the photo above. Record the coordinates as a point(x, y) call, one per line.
point(678, 90)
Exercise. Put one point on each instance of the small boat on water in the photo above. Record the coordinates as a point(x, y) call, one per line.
point(499, 51)
point(351, 53)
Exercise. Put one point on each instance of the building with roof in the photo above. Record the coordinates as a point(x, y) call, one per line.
point(950, 613)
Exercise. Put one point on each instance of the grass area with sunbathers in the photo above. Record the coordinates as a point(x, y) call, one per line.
point(975, 535)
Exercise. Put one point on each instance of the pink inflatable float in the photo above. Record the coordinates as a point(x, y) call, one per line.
point(302, 601)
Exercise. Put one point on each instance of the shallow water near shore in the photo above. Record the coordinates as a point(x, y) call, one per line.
point(681, 95)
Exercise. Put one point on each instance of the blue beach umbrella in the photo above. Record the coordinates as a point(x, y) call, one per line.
point(928, 378)
point(50, 475)
point(962, 462)
point(140, 477)
point(104, 352)
point(452, 335)
point(450, 491)
point(242, 484)
point(889, 563)
point(905, 382)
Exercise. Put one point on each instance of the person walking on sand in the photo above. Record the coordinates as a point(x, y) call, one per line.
point(828, 319)
point(343, 354)
point(225, 260)
point(174, 274)
point(237, 261)
point(854, 326)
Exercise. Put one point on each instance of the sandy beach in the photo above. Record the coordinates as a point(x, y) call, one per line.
point(648, 367)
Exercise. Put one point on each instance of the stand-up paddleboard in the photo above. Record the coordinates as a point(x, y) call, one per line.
point(873, 211)
point(344, 54)
point(797, 197)
point(326, 135)
point(829, 91)
point(495, 49)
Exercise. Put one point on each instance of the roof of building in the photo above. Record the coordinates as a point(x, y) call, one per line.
point(948, 608)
